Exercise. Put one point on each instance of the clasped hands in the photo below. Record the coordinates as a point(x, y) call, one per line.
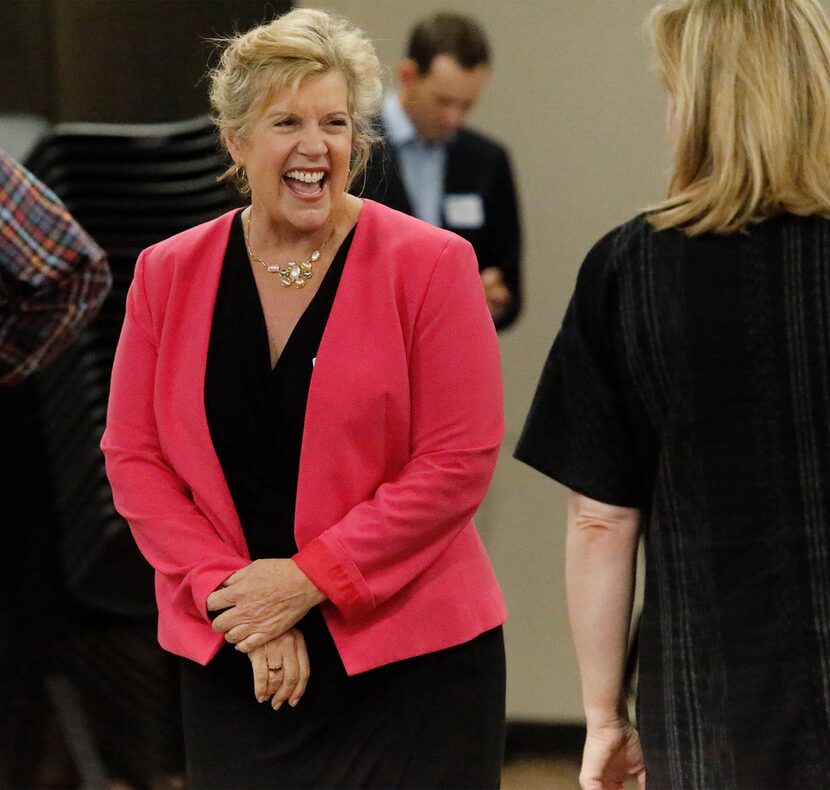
point(259, 606)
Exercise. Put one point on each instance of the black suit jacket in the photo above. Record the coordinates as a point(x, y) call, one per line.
point(476, 165)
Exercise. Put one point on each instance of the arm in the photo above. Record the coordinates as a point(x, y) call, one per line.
point(385, 542)
point(53, 277)
point(600, 571)
point(505, 291)
point(171, 531)
point(499, 297)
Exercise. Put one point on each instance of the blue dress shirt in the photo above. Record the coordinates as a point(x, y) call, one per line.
point(422, 163)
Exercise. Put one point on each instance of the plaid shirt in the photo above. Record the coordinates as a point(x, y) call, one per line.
point(53, 277)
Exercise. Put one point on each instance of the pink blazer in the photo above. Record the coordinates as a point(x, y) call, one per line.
point(401, 436)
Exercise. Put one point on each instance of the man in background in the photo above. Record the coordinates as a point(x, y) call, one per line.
point(435, 168)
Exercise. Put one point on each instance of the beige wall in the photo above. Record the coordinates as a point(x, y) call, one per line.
point(574, 99)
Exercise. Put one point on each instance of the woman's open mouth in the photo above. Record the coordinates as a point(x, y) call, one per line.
point(306, 183)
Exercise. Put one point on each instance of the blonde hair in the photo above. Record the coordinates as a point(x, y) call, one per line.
point(750, 83)
point(302, 43)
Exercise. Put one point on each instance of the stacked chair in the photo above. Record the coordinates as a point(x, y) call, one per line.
point(129, 186)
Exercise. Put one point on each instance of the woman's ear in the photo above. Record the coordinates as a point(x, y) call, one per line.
point(234, 147)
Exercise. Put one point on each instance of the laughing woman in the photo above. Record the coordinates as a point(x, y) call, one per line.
point(306, 410)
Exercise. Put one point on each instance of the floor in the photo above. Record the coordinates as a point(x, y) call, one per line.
point(541, 773)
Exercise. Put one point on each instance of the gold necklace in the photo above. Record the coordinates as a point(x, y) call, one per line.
point(291, 273)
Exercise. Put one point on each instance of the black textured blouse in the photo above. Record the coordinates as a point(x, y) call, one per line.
point(691, 379)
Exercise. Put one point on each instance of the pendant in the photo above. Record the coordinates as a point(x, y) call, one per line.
point(294, 273)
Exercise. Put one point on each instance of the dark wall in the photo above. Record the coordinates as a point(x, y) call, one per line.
point(25, 57)
point(125, 61)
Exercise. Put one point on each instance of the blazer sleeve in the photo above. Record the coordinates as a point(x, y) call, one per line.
point(456, 428)
point(170, 530)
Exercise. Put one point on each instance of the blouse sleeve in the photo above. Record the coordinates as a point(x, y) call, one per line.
point(580, 430)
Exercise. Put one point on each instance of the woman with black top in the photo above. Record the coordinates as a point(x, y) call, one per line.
point(687, 398)
point(305, 414)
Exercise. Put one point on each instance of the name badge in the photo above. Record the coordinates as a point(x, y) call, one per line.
point(464, 211)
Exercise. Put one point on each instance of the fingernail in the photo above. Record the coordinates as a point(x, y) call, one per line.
point(278, 706)
point(261, 699)
point(293, 702)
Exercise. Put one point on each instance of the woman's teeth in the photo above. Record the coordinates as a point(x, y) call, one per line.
point(305, 176)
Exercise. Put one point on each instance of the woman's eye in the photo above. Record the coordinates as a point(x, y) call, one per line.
point(339, 122)
point(284, 122)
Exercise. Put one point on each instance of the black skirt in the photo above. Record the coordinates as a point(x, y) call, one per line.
point(431, 721)
point(435, 721)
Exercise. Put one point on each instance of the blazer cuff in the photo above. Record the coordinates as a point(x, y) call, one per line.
point(209, 580)
point(336, 576)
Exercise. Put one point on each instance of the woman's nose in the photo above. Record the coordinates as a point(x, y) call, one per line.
point(312, 141)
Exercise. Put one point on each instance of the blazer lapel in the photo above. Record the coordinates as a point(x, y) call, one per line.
point(383, 176)
point(456, 172)
point(207, 478)
point(396, 194)
point(336, 380)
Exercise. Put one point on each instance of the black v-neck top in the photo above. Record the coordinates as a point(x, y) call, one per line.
point(256, 413)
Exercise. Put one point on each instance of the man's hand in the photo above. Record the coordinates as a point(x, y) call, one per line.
point(262, 601)
point(498, 297)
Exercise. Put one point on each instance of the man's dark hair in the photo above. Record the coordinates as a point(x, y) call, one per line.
point(448, 34)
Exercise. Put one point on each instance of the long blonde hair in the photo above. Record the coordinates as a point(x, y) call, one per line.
point(750, 85)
